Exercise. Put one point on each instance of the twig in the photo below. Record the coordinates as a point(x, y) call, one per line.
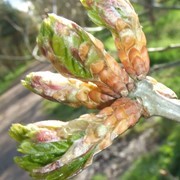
point(160, 49)
point(24, 58)
point(164, 66)
point(21, 30)
point(14, 25)
point(157, 6)
point(16, 58)
point(155, 103)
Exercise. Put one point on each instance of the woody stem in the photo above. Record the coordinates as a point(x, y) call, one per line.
point(156, 104)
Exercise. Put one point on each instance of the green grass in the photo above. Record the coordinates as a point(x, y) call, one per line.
point(10, 77)
point(165, 159)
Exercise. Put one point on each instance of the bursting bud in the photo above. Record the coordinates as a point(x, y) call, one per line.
point(76, 53)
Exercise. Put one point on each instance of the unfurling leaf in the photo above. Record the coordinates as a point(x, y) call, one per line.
point(55, 149)
point(76, 53)
point(121, 19)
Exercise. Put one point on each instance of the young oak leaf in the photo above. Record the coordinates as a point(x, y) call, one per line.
point(55, 149)
point(76, 53)
point(46, 143)
point(121, 19)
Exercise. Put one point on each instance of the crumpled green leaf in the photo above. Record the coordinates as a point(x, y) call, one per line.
point(40, 145)
point(38, 155)
point(55, 149)
point(68, 170)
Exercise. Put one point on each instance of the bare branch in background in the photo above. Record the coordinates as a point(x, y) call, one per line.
point(24, 33)
point(160, 49)
point(26, 41)
point(156, 5)
point(164, 66)
point(54, 6)
point(24, 58)
point(14, 25)
point(16, 58)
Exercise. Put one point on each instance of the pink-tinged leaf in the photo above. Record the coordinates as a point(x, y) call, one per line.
point(73, 92)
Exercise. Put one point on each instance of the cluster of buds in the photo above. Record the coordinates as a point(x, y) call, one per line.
point(88, 76)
